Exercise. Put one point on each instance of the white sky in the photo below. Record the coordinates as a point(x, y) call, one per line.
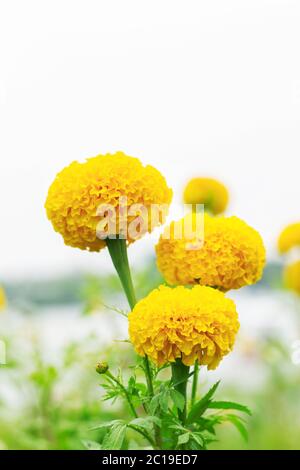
point(192, 87)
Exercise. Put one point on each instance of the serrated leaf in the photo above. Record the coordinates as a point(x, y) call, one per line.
point(198, 439)
point(178, 399)
point(131, 383)
point(199, 407)
point(228, 405)
point(91, 445)
point(154, 404)
point(107, 424)
point(183, 438)
point(114, 439)
point(164, 400)
point(146, 423)
point(235, 420)
point(207, 424)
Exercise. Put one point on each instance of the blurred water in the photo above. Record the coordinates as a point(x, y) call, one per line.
point(263, 314)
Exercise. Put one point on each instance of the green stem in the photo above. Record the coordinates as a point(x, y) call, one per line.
point(123, 389)
point(148, 375)
point(117, 248)
point(118, 252)
point(144, 434)
point(180, 375)
point(195, 383)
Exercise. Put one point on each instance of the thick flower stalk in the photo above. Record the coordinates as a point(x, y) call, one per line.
point(114, 181)
point(226, 254)
point(186, 324)
point(208, 191)
point(289, 238)
point(291, 276)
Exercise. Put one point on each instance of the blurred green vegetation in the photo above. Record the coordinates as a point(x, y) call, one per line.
point(53, 403)
point(60, 403)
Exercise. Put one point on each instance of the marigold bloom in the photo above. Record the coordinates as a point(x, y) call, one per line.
point(2, 298)
point(231, 255)
point(81, 188)
point(207, 191)
point(291, 276)
point(289, 238)
point(170, 323)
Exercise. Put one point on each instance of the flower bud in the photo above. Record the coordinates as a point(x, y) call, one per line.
point(102, 367)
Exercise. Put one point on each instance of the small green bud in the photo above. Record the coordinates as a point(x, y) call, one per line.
point(102, 367)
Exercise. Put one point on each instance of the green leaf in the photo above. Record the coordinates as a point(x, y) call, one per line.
point(236, 421)
point(198, 439)
point(199, 407)
point(114, 439)
point(164, 400)
point(154, 404)
point(228, 405)
point(146, 423)
point(183, 438)
point(178, 399)
point(131, 384)
point(108, 424)
point(208, 424)
point(91, 445)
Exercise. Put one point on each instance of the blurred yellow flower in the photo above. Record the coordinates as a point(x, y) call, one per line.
point(207, 191)
point(289, 238)
point(231, 255)
point(291, 276)
point(81, 188)
point(170, 323)
point(2, 298)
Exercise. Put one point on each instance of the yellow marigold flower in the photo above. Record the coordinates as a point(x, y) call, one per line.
point(79, 189)
point(207, 191)
point(230, 256)
point(289, 238)
point(170, 323)
point(291, 276)
point(2, 298)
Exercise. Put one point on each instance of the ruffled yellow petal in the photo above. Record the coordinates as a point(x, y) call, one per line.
point(79, 189)
point(198, 323)
point(232, 254)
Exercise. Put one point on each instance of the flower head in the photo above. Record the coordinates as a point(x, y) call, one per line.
point(230, 256)
point(207, 191)
point(80, 189)
point(291, 276)
point(289, 238)
point(170, 323)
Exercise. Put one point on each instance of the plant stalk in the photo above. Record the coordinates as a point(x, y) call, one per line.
point(123, 389)
point(117, 248)
point(195, 382)
point(118, 252)
point(180, 375)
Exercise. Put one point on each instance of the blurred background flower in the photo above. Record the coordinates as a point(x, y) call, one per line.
point(208, 191)
point(2, 298)
point(289, 238)
point(292, 276)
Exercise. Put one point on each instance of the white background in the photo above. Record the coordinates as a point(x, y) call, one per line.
point(192, 87)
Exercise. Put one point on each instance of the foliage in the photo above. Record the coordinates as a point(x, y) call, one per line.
point(157, 418)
